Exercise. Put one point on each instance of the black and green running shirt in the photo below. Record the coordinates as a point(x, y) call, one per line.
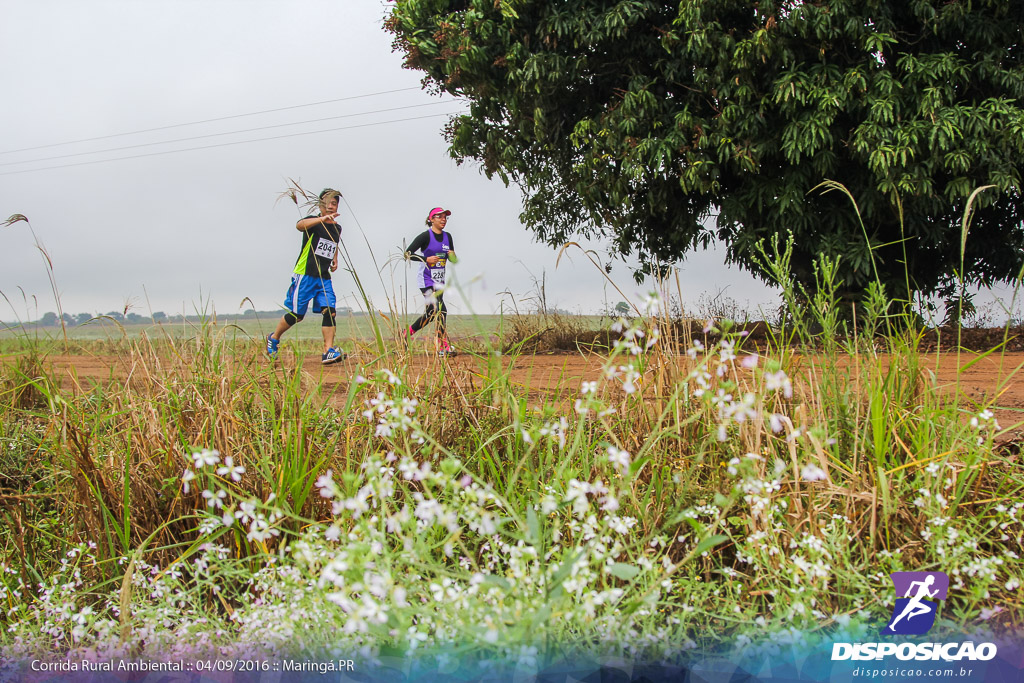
point(319, 244)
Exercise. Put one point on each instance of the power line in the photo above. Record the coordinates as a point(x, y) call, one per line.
point(228, 144)
point(214, 135)
point(221, 118)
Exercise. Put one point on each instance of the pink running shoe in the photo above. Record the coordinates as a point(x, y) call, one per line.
point(445, 349)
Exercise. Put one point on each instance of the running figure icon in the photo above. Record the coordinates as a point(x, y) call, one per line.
point(915, 608)
point(914, 613)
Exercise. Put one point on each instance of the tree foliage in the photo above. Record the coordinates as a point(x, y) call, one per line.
point(662, 125)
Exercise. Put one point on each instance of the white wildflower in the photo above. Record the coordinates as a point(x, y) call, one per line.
point(206, 458)
point(186, 478)
point(619, 459)
point(215, 500)
point(230, 469)
point(813, 473)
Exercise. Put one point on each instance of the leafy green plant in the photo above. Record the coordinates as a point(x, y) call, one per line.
point(660, 126)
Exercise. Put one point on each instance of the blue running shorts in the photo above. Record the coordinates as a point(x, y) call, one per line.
point(304, 289)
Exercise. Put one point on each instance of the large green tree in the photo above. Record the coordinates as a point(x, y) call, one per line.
point(662, 125)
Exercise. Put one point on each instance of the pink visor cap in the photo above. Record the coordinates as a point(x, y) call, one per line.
point(436, 210)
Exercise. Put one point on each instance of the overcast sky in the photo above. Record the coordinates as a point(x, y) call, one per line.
point(169, 229)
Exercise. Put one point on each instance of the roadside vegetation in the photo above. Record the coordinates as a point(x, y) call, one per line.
point(691, 496)
point(700, 493)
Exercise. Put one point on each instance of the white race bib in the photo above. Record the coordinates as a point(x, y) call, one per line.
point(325, 248)
point(437, 275)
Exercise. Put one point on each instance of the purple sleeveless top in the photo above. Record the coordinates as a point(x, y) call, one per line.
point(436, 246)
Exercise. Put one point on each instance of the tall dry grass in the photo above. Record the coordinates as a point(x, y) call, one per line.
point(697, 490)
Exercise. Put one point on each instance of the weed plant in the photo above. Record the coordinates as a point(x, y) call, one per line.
point(532, 326)
point(691, 495)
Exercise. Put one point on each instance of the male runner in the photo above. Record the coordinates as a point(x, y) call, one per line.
point(311, 279)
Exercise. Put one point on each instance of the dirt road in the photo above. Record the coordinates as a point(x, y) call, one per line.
point(548, 376)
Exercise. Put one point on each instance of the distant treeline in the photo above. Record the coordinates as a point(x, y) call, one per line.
point(51, 319)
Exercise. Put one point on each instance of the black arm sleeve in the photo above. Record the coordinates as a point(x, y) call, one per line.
point(451, 242)
point(421, 242)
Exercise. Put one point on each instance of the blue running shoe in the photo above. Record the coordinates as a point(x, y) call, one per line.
point(272, 346)
point(332, 356)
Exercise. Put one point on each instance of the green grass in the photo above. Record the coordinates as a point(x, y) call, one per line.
point(673, 505)
point(354, 328)
point(690, 497)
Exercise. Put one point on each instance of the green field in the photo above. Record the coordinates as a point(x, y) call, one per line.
point(354, 327)
point(467, 331)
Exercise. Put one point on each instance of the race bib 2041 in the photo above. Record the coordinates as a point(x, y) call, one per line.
point(325, 248)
